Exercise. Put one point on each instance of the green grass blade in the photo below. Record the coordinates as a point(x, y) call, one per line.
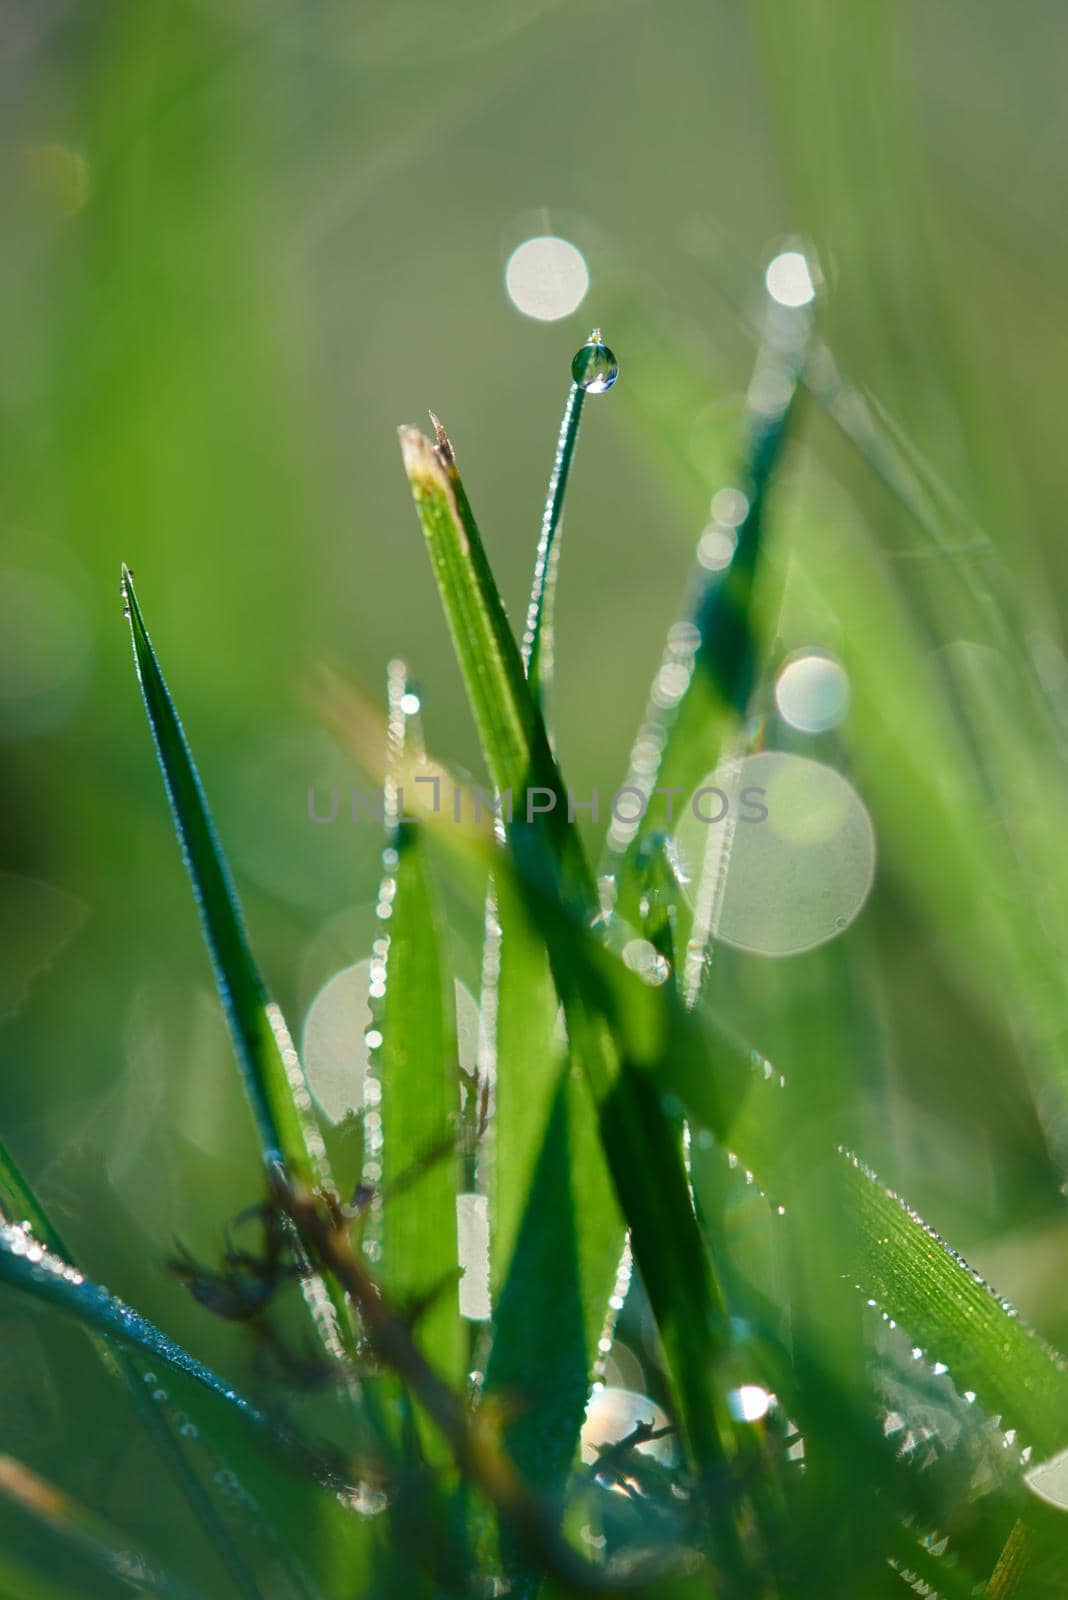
point(557, 1234)
point(274, 1080)
point(276, 1089)
point(418, 1069)
point(553, 1304)
point(539, 636)
point(510, 726)
point(26, 1264)
point(641, 1149)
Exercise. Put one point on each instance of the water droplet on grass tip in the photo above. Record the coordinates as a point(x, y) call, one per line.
point(594, 367)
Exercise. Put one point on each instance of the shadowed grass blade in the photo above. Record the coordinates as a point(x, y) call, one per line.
point(86, 1534)
point(18, 1203)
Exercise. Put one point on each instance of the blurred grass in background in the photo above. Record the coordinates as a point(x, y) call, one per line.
point(243, 240)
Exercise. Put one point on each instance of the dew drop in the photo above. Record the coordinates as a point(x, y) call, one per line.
point(594, 367)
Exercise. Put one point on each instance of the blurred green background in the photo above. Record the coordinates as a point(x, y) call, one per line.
point(243, 240)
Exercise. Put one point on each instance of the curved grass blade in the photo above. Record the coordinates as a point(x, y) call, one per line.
point(274, 1080)
point(26, 1264)
point(594, 369)
point(539, 637)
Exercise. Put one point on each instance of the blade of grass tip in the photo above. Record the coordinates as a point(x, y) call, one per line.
point(18, 1203)
point(416, 1065)
point(274, 1080)
point(86, 1533)
point(594, 369)
point(709, 666)
point(510, 727)
point(640, 1146)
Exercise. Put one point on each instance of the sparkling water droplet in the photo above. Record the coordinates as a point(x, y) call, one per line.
point(594, 367)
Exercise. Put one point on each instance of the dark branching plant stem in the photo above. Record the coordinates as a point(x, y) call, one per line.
point(471, 1441)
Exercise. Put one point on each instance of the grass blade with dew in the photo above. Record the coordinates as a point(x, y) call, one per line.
point(550, 1312)
point(274, 1081)
point(300, 1488)
point(708, 670)
point(594, 370)
point(417, 1067)
point(86, 1535)
point(645, 1164)
point(19, 1204)
point(730, 1089)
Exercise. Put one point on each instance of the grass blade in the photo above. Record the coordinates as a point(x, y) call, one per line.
point(419, 1073)
point(640, 1146)
point(274, 1081)
point(276, 1090)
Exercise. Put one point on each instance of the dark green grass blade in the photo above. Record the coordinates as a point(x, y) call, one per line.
point(297, 1489)
point(274, 1080)
point(26, 1264)
point(275, 1086)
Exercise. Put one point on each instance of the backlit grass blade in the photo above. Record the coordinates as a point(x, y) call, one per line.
point(645, 1164)
point(419, 1073)
point(510, 727)
point(274, 1081)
